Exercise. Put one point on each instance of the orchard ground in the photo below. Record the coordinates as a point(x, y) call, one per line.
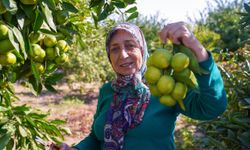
point(76, 104)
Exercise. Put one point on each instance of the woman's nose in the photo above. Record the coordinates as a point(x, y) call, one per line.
point(124, 53)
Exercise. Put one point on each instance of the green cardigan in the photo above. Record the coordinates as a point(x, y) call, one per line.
point(156, 131)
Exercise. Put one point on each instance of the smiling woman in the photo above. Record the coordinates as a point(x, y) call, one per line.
point(128, 117)
point(125, 53)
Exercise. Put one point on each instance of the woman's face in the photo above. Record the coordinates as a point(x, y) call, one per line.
point(125, 53)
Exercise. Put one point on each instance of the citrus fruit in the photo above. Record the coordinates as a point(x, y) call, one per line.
point(62, 58)
point(165, 84)
point(62, 45)
point(167, 100)
point(154, 90)
point(61, 17)
point(7, 59)
point(29, 2)
point(35, 37)
point(186, 76)
point(37, 53)
point(179, 61)
point(161, 58)
point(149, 61)
point(50, 40)
point(152, 74)
point(179, 91)
point(5, 46)
point(3, 31)
point(39, 67)
point(50, 53)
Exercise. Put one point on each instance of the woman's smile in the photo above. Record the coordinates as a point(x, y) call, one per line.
point(127, 64)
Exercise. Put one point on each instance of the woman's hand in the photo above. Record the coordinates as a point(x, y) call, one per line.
point(178, 33)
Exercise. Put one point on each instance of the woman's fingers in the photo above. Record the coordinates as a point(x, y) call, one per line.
point(177, 33)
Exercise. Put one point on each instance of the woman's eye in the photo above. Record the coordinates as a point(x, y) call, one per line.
point(114, 49)
point(130, 46)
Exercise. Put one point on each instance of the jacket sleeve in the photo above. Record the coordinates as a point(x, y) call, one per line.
point(211, 101)
point(91, 142)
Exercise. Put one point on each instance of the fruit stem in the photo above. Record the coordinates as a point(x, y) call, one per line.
point(180, 102)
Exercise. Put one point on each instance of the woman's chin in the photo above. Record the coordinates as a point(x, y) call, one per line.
point(126, 72)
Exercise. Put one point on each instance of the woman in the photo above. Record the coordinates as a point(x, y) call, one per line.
point(127, 116)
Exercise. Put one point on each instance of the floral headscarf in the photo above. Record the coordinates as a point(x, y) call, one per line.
point(131, 95)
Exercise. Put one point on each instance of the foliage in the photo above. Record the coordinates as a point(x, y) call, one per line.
point(209, 39)
point(33, 27)
point(102, 9)
point(224, 20)
point(150, 27)
point(89, 60)
point(33, 53)
point(231, 130)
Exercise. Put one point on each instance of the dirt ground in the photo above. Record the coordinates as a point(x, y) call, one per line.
point(75, 105)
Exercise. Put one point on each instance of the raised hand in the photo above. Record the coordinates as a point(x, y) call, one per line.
point(179, 33)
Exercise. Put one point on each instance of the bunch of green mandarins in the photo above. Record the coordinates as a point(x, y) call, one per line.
point(6, 55)
point(170, 73)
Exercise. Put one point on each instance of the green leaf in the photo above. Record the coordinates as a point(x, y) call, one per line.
point(38, 21)
point(35, 72)
point(66, 130)
point(131, 10)
point(33, 144)
point(4, 140)
point(247, 8)
point(20, 19)
point(244, 140)
point(20, 39)
point(243, 14)
point(29, 12)
point(94, 3)
point(12, 40)
point(21, 109)
point(49, 17)
point(104, 14)
point(10, 5)
point(47, 31)
point(37, 116)
point(18, 119)
point(10, 145)
point(129, 1)
point(58, 122)
point(245, 20)
point(18, 55)
point(22, 131)
point(69, 7)
point(119, 4)
point(132, 16)
point(50, 88)
point(32, 123)
point(54, 78)
point(35, 79)
point(51, 4)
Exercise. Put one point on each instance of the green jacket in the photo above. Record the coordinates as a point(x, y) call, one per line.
point(156, 131)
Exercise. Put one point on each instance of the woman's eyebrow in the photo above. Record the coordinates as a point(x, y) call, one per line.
point(115, 44)
point(130, 41)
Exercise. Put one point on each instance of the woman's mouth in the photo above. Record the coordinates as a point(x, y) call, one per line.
point(129, 64)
